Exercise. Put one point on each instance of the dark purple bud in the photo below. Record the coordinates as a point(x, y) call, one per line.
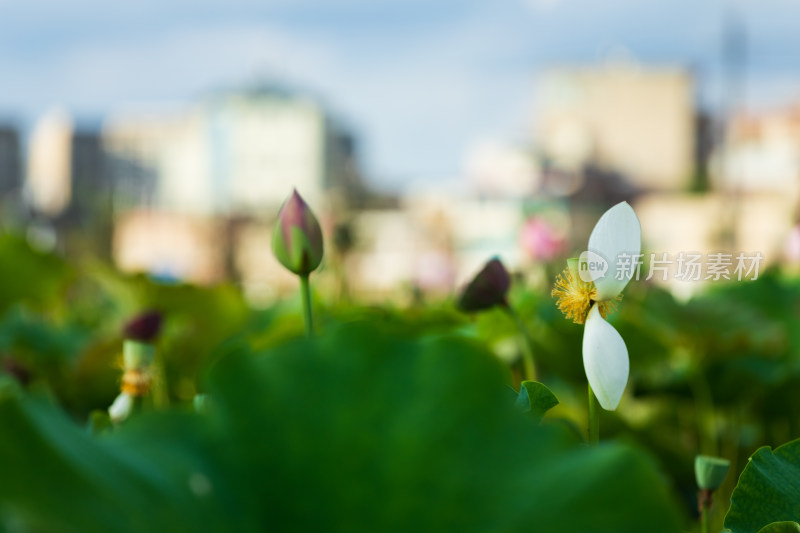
point(487, 289)
point(145, 327)
point(13, 368)
point(297, 238)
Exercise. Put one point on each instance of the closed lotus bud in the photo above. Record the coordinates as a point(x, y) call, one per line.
point(144, 328)
point(13, 368)
point(297, 238)
point(487, 289)
point(710, 471)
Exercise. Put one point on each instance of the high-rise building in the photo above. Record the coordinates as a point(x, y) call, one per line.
point(233, 153)
point(68, 189)
point(761, 153)
point(633, 120)
point(10, 157)
point(49, 184)
point(218, 171)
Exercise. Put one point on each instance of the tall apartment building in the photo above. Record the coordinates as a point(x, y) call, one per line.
point(202, 184)
point(67, 179)
point(10, 160)
point(233, 153)
point(635, 120)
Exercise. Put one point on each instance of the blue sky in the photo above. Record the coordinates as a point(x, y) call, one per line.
point(418, 81)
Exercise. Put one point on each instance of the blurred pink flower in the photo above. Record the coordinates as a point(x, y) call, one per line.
point(791, 247)
point(435, 271)
point(541, 240)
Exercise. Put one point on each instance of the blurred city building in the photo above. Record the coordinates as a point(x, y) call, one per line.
point(10, 160)
point(227, 161)
point(753, 198)
point(613, 132)
point(67, 184)
point(193, 191)
point(757, 168)
point(761, 153)
point(11, 175)
point(49, 184)
point(233, 153)
point(630, 119)
point(498, 170)
point(434, 241)
point(170, 246)
point(623, 131)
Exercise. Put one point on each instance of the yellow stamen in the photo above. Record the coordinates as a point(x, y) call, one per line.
point(136, 382)
point(575, 297)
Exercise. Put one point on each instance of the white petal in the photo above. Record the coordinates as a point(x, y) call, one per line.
point(617, 238)
point(121, 408)
point(605, 359)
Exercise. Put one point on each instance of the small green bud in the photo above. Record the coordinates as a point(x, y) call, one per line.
point(710, 471)
point(487, 289)
point(297, 237)
point(202, 403)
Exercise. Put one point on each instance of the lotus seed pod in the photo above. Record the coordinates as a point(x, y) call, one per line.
point(710, 471)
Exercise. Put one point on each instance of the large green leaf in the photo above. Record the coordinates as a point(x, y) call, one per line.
point(768, 490)
point(28, 276)
point(781, 527)
point(355, 431)
point(56, 477)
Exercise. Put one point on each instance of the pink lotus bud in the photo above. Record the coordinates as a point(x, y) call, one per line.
point(297, 238)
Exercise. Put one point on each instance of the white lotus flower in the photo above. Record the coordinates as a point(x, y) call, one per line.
point(589, 295)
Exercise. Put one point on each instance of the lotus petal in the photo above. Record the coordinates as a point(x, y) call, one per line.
point(121, 408)
point(617, 238)
point(605, 359)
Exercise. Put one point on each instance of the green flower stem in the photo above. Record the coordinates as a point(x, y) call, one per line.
point(160, 391)
point(305, 293)
point(138, 406)
point(704, 501)
point(704, 407)
point(143, 357)
point(704, 521)
point(527, 344)
point(594, 417)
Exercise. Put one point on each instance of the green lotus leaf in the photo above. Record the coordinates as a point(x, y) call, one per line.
point(357, 430)
point(768, 490)
point(536, 398)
